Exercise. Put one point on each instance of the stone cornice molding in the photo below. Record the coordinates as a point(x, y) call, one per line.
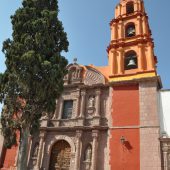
point(71, 129)
point(127, 17)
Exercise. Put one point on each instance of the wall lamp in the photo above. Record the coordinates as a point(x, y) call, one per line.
point(123, 140)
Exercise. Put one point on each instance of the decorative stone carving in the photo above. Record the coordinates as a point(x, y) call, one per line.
point(74, 74)
point(93, 77)
point(44, 115)
point(91, 101)
point(35, 150)
point(165, 142)
point(88, 154)
point(87, 158)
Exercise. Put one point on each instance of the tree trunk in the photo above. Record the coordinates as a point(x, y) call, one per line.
point(23, 150)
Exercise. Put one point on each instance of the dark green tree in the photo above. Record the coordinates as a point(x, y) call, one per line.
point(34, 68)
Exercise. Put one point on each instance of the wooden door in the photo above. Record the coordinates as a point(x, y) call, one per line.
point(60, 156)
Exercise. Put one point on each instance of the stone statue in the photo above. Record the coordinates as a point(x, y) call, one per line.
point(88, 154)
point(91, 102)
point(35, 151)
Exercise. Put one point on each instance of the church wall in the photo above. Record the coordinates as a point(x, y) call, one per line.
point(125, 105)
point(125, 156)
point(86, 139)
point(125, 118)
point(150, 157)
point(1, 146)
point(164, 105)
point(10, 156)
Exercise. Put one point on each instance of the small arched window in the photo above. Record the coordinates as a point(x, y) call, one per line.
point(129, 8)
point(130, 30)
point(130, 60)
point(88, 154)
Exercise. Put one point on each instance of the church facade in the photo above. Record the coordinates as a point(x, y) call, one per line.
point(110, 117)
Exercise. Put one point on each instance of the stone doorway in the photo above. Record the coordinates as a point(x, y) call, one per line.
point(60, 156)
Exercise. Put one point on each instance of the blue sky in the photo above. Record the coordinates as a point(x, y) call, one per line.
point(87, 25)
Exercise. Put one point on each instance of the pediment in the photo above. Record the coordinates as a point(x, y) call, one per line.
point(75, 74)
point(93, 77)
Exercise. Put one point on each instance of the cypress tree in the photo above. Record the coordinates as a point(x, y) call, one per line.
point(35, 67)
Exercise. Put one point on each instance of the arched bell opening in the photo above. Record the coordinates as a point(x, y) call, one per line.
point(129, 8)
point(130, 30)
point(130, 60)
point(60, 156)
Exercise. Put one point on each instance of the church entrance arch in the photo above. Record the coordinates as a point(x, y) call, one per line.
point(60, 156)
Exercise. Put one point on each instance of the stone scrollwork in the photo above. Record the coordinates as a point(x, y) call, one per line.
point(74, 74)
point(44, 115)
point(93, 77)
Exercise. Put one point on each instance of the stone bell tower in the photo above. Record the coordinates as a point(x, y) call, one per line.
point(134, 130)
point(130, 51)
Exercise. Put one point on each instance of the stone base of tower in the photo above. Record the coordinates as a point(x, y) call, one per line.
point(150, 156)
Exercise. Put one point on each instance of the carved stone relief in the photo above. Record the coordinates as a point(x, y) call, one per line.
point(91, 101)
point(75, 74)
point(35, 150)
point(93, 77)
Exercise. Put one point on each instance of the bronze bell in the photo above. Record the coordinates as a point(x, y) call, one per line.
point(131, 62)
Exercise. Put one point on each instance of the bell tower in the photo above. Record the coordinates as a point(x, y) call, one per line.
point(134, 124)
point(131, 49)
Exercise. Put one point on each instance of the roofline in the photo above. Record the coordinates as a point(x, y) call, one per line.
point(165, 90)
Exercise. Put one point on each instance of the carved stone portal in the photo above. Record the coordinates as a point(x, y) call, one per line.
point(60, 156)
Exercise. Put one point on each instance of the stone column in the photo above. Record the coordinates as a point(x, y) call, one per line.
point(120, 61)
point(56, 110)
point(139, 31)
point(151, 56)
point(78, 148)
point(140, 58)
point(40, 156)
point(119, 10)
point(136, 6)
point(114, 31)
point(120, 36)
point(30, 138)
point(95, 134)
point(83, 99)
point(165, 156)
point(139, 6)
point(145, 26)
point(112, 61)
point(61, 108)
point(98, 94)
point(77, 106)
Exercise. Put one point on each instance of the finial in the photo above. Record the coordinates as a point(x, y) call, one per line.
point(75, 60)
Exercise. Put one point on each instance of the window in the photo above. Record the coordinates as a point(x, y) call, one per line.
point(67, 109)
point(130, 30)
point(129, 7)
point(130, 60)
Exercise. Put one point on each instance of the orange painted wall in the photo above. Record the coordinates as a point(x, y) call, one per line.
point(125, 105)
point(125, 156)
point(10, 155)
point(125, 113)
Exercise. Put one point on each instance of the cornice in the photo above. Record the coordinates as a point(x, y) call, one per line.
point(70, 129)
point(139, 39)
point(127, 17)
point(136, 81)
